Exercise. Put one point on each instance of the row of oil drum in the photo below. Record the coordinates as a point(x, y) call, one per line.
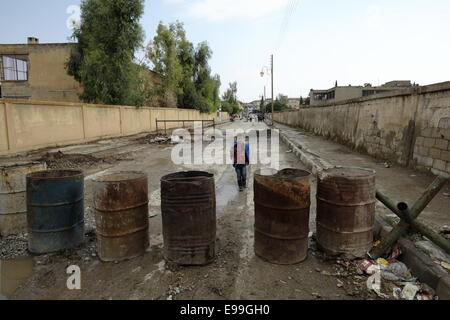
point(55, 213)
point(345, 213)
point(49, 204)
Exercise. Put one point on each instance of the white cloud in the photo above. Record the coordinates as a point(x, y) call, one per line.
point(221, 10)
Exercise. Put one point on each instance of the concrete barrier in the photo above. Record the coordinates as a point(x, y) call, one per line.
point(30, 125)
point(410, 127)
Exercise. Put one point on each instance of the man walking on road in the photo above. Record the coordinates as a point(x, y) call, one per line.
point(240, 154)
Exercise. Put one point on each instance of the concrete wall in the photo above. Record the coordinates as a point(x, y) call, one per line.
point(410, 127)
point(29, 125)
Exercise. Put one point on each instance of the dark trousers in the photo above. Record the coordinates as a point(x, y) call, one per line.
point(241, 172)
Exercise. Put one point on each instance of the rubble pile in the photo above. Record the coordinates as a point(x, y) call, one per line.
point(61, 161)
point(13, 246)
point(155, 138)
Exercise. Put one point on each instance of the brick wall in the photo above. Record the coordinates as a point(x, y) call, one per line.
point(409, 127)
point(432, 149)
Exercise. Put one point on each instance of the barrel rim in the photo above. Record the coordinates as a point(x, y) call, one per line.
point(370, 172)
point(187, 176)
point(55, 174)
point(139, 175)
point(280, 174)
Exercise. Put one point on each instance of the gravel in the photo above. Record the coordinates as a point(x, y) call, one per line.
point(14, 246)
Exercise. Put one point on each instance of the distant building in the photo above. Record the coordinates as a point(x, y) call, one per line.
point(35, 71)
point(341, 93)
point(293, 103)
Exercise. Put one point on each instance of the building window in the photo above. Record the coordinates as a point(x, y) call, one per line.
point(15, 67)
point(331, 95)
point(367, 93)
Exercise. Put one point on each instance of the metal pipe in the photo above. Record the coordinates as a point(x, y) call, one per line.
point(408, 219)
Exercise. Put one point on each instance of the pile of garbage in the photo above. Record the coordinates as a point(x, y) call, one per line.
point(390, 278)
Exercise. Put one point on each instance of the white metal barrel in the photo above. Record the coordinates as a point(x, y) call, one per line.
point(13, 204)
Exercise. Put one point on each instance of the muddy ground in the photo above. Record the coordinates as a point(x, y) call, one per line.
point(235, 274)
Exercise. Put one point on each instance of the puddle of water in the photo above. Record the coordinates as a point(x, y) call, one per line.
point(13, 273)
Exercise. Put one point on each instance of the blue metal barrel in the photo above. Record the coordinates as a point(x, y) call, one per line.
point(55, 210)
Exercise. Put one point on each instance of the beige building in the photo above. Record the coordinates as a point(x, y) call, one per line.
point(35, 71)
point(341, 93)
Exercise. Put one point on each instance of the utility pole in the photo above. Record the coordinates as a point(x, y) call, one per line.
point(271, 63)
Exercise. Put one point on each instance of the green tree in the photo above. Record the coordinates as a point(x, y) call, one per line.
point(207, 86)
point(185, 69)
point(229, 99)
point(278, 105)
point(261, 106)
point(164, 52)
point(102, 60)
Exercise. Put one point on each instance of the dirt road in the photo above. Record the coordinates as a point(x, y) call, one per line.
point(235, 274)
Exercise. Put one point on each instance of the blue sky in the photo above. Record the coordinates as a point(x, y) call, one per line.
point(351, 41)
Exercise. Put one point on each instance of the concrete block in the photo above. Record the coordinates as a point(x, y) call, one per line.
point(444, 123)
point(427, 132)
point(419, 141)
point(441, 173)
point(443, 288)
point(435, 153)
point(424, 151)
point(425, 161)
point(445, 156)
point(440, 165)
point(436, 133)
point(429, 142)
point(420, 263)
point(446, 133)
point(441, 144)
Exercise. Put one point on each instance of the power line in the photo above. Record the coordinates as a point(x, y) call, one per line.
point(286, 18)
point(290, 9)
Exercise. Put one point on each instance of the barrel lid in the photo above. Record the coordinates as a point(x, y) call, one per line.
point(187, 175)
point(121, 176)
point(350, 172)
point(285, 174)
point(55, 174)
point(266, 172)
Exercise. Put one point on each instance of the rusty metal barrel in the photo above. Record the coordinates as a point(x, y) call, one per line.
point(55, 215)
point(188, 204)
point(13, 204)
point(282, 203)
point(121, 215)
point(346, 211)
